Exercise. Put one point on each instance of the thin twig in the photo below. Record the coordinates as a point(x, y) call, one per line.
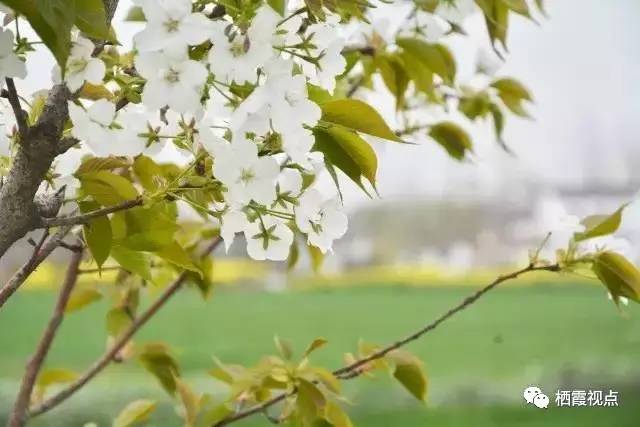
point(41, 252)
point(84, 218)
point(120, 343)
point(14, 100)
point(19, 414)
point(356, 368)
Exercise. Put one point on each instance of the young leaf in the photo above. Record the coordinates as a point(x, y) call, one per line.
point(310, 401)
point(95, 164)
point(349, 153)
point(513, 93)
point(135, 14)
point(453, 138)
point(81, 298)
point(601, 225)
point(315, 344)
point(91, 19)
point(359, 116)
point(317, 258)
point(97, 233)
point(435, 57)
point(619, 275)
point(149, 173)
point(175, 254)
point(496, 17)
point(107, 188)
point(132, 261)
point(394, 75)
point(51, 20)
point(336, 416)
point(50, 377)
point(135, 413)
point(284, 347)
point(279, 6)
point(190, 402)
point(409, 371)
point(156, 359)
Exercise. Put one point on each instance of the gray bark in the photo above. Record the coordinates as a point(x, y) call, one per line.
point(19, 213)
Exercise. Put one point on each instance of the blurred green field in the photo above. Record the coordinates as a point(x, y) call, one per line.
point(567, 337)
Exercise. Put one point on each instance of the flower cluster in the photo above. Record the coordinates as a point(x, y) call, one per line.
point(260, 141)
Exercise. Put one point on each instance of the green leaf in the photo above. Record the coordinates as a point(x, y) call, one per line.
point(279, 6)
point(410, 373)
point(51, 20)
point(135, 14)
point(91, 19)
point(336, 416)
point(148, 172)
point(107, 188)
point(50, 377)
point(175, 254)
point(435, 57)
point(601, 225)
point(150, 228)
point(359, 116)
point(135, 413)
point(349, 153)
point(394, 75)
point(474, 106)
point(310, 400)
point(498, 122)
point(619, 275)
point(453, 138)
point(190, 402)
point(519, 6)
point(156, 359)
point(95, 92)
point(317, 258)
point(513, 93)
point(97, 233)
point(284, 347)
point(132, 261)
point(496, 17)
point(420, 74)
point(81, 298)
point(94, 164)
point(117, 321)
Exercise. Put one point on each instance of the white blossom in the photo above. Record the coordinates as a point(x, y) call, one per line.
point(246, 175)
point(172, 80)
point(129, 139)
point(328, 47)
point(268, 238)
point(93, 126)
point(10, 64)
point(289, 188)
point(233, 221)
point(81, 66)
point(321, 220)
point(171, 26)
point(237, 57)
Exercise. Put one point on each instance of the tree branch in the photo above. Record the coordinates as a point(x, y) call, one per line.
point(41, 252)
point(19, 414)
point(119, 344)
point(356, 368)
point(84, 218)
point(21, 116)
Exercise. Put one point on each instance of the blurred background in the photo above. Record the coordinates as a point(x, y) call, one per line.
point(438, 230)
